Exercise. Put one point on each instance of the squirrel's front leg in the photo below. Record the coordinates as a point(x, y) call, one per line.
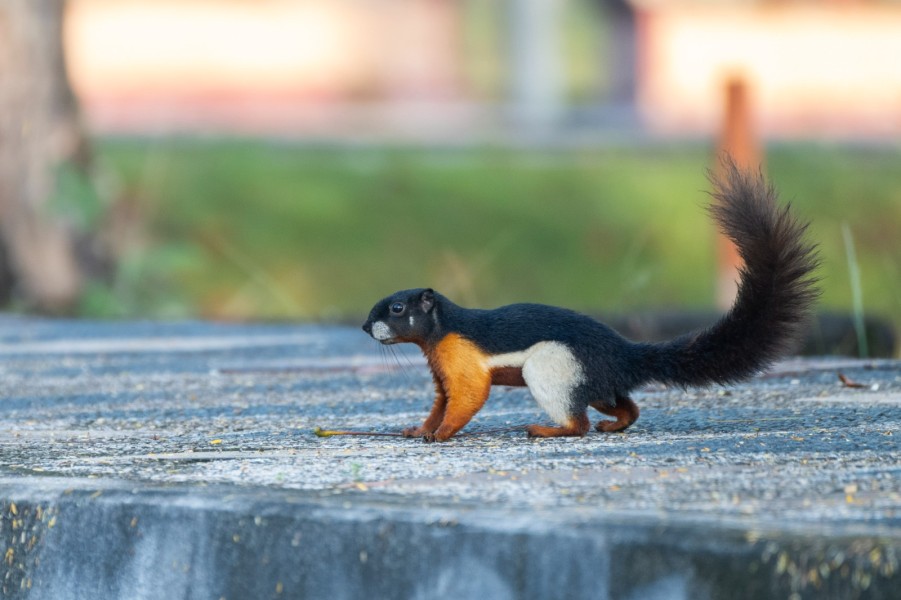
point(461, 373)
point(466, 394)
point(435, 417)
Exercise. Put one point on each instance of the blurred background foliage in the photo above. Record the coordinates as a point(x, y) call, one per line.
point(241, 230)
point(521, 150)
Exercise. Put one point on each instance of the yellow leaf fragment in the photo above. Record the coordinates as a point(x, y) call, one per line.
point(876, 556)
point(782, 563)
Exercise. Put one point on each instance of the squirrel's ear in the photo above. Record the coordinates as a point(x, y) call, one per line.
point(427, 300)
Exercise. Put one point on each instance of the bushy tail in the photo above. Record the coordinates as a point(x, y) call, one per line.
point(775, 295)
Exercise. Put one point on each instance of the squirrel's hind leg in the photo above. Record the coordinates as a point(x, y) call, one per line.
point(552, 373)
point(577, 426)
point(624, 411)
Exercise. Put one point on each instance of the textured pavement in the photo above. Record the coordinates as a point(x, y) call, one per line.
point(138, 453)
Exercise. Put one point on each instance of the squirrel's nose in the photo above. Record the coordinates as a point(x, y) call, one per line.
point(367, 327)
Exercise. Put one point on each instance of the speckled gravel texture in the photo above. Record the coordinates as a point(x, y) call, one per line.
point(201, 404)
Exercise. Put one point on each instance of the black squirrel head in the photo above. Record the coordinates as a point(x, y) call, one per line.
point(405, 316)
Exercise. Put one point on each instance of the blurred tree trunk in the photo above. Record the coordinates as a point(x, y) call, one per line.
point(40, 140)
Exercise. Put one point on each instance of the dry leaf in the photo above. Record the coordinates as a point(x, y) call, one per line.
point(849, 383)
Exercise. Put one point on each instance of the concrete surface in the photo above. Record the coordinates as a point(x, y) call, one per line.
point(147, 460)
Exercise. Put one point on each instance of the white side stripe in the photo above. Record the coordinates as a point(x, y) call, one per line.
point(551, 371)
point(511, 359)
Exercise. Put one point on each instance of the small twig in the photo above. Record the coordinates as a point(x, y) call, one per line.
point(311, 369)
point(850, 383)
point(320, 432)
point(756, 420)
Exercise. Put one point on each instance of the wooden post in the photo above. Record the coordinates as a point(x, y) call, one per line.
point(739, 140)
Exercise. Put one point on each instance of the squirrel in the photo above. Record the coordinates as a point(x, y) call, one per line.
point(570, 361)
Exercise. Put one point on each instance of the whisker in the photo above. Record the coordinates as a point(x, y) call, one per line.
point(409, 361)
point(400, 366)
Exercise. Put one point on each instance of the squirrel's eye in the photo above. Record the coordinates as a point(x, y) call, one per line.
point(397, 308)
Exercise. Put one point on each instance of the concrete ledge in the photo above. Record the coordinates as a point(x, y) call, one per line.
point(142, 460)
point(177, 542)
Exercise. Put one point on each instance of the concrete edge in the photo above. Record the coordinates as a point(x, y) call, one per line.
point(66, 538)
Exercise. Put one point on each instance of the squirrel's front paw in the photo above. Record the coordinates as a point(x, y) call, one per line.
point(427, 435)
point(414, 432)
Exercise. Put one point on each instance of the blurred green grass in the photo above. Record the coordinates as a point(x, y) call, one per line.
point(254, 230)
